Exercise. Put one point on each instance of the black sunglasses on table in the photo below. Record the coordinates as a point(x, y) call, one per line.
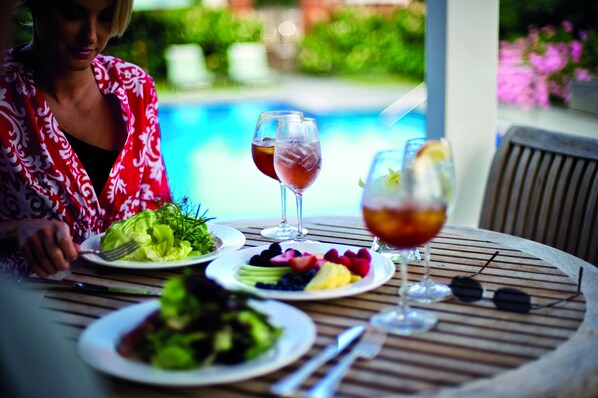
point(465, 288)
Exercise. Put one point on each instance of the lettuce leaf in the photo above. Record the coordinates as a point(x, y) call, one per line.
point(165, 234)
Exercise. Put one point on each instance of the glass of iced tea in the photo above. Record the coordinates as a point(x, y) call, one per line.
point(439, 152)
point(404, 215)
point(298, 160)
point(262, 151)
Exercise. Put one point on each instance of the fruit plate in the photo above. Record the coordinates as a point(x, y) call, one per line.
point(224, 270)
point(228, 240)
point(97, 347)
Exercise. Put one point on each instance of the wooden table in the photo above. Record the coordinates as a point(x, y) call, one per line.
point(475, 350)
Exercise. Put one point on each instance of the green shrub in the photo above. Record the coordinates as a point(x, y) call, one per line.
point(356, 41)
point(150, 33)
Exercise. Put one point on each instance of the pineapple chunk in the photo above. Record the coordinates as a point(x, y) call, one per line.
point(329, 276)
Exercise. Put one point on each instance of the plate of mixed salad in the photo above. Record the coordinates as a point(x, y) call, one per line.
point(168, 237)
point(305, 271)
point(197, 334)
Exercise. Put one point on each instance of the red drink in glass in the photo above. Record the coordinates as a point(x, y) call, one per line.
point(263, 156)
point(407, 225)
point(298, 165)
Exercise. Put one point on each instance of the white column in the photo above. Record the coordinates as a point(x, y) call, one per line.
point(461, 66)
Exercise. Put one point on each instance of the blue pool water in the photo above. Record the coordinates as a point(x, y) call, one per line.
point(207, 150)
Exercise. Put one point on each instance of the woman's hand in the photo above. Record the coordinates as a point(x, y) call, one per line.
point(47, 245)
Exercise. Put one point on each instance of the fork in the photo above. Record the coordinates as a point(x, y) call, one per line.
point(368, 348)
point(116, 253)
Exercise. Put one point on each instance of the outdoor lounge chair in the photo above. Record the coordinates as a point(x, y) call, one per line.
point(543, 186)
point(248, 64)
point(186, 66)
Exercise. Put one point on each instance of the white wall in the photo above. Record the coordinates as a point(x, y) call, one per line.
point(461, 61)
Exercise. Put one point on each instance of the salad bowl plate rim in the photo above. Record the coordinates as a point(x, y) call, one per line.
point(224, 270)
point(232, 240)
point(97, 347)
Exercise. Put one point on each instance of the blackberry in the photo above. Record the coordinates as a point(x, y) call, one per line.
point(255, 260)
point(275, 249)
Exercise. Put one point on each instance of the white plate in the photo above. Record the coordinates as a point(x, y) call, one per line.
point(231, 238)
point(224, 270)
point(97, 347)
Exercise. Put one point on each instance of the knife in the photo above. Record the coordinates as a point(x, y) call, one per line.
point(288, 385)
point(37, 283)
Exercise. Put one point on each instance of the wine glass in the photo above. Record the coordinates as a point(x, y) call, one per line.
point(297, 160)
point(386, 250)
point(404, 215)
point(427, 290)
point(262, 151)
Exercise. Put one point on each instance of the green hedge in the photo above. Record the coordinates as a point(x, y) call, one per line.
point(357, 41)
point(150, 33)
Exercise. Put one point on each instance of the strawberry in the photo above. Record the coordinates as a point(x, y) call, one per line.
point(350, 254)
point(364, 253)
point(282, 260)
point(361, 267)
point(332, 255)
point(302, 264)
point(346, 261)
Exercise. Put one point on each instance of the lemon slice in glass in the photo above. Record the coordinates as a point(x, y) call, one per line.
point(436, 151)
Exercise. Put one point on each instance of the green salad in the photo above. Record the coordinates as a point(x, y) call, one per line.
point(199, 323)
point(165, 234)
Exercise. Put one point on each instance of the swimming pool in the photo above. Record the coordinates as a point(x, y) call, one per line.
point(207, 151)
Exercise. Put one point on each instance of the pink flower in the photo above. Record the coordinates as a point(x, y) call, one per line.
point(554, 60)
point(536, 69)
point(568, 26)
point(582, 74)
point(576, 50)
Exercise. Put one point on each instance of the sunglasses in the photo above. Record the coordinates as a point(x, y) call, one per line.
point(465, 288)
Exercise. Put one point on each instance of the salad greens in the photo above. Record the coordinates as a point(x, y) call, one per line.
point(200, 323)
point(165, 234)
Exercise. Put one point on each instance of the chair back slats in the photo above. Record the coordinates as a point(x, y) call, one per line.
point(532, 190)
point(549, 205)
point(513, 221)
point(580, 204)
point(573, 213)
point(543, 186)
point(589, 222)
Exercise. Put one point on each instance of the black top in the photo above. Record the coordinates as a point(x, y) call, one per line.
point(96, 161)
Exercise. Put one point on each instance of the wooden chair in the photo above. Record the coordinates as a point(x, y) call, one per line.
point(543, 186)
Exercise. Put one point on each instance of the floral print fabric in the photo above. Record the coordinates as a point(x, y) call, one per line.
point(42, 177)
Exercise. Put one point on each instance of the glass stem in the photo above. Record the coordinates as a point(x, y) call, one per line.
point(426, 277)
point(300, 235)
point(404, 281)
point(283, 204)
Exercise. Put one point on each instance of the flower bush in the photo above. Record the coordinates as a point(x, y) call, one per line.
point(537, 70)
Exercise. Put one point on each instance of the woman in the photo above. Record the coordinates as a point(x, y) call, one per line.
point(79, 135)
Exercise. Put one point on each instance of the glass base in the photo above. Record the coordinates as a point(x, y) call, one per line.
point(428, 291)
point(403, 321)
point(394, 254)
point(281, 232)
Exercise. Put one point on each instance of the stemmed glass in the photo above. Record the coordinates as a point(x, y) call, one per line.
point(298, 160)
point(262, 151)
point(427, 290)
point(404, 215)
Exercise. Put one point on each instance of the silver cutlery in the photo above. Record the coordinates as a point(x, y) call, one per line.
point(289, 384)
point(116, 253)
point(368, 347)
point(38, 283)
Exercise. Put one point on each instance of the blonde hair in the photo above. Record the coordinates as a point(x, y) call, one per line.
point(120, 21)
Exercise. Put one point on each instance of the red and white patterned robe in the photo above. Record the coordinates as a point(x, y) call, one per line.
point(42, 177)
